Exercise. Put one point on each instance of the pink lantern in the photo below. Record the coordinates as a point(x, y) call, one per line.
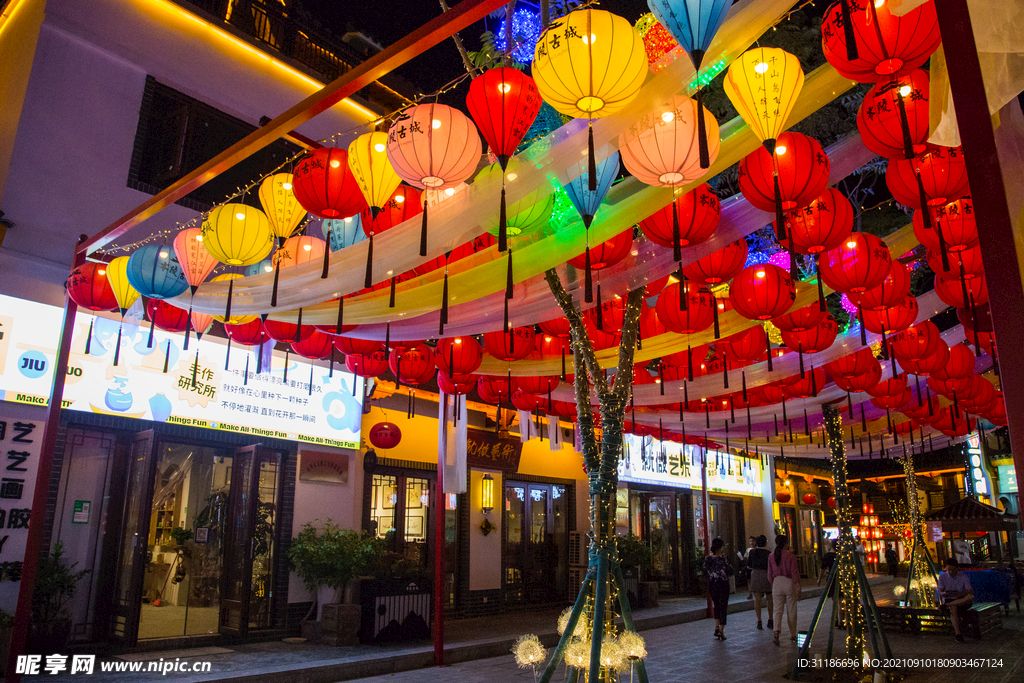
point(195, 260)
point(665, 153)
point(433, 146)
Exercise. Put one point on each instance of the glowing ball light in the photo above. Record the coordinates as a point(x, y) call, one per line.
point(433, 146)
point(89, 287)
point(403, 204)
point(696, 213)
point(324, 185)
point(376, 179)
point(385, 435)
point(558, 327)
point(860, 382)
point(860, 263)
point(237, 234)
point(884, 109)
point(810, 499)
point(762, 292)
point(783, 496)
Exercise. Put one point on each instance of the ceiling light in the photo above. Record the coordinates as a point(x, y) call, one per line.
point(905, 90)
point(667, 117)
point(504, 87)
point(435, 124)
point(780, 150)
point(307, 247)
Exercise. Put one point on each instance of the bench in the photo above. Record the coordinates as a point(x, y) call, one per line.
point(979, 620)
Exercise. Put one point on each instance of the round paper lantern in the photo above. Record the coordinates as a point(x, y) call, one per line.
point(879, 117)
point(951, 386)
point(350, 346)
point(783, 496)
point(765, 70)
point(458, 355)
point(516, 344)
point(810, 499)
point(969, 258)
point(385, 435)
point(599, 338)
point(318, 345)
point(926, 366)
point(952, 227)
point(803, 169)
point(892, 290)
point(859, 264)
point(201, 323)
point(718, 266)
point(281, 331)
point(504, 104)
point(745, 347)
point(693, 356)
point(589, 64)
point(896, 402)
point(412, 366)
point(278, 200)
point(662, 149)
point(762, 292)
point(819, 226)
point(851, 365)
point(300, 249)
point(772, 393)
point(831, 502)
point(536, 385)
point(886, 44)
point(89, 287)
point(861, 382)
point(237, 234)
point(459, 385)
point(558, 327)
point(370, 365)
point(814, 340)
point(943, 177)
point(493, 389)
point(524, 401)
point(526, 215)
point(985, 340)
point(696, 212)
point(894, 386)
point(813, 381)
point(403, 204)
point(806, 318)
point(235, 318)
point(433, 145)
point(324, 185)
point(892, 319)
point(481, 243)
point(959, 365)
point(980, 396)
point(950, 288)
point(915, 343)
point(154, 271)
point(196, 262)
point(371, 170)
point(610, 315)
point(167, 317)
point(699, 309)
point(607, 254)
point(251, 333)
point(117, 276)
point(343, 232)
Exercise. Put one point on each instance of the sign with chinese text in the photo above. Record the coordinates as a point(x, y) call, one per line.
point(323, 466)
point(164, 382)
point(80, 515)
point(487, 451)
point(20, 444)
point(646, 460)
point(1007, 479)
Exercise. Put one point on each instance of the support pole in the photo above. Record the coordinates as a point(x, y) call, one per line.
point(814, 620)
point(439, 560)
point(570, 628)
point(627, 618)
point(600, 598)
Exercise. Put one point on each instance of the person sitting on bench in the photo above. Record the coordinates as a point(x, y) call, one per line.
point(956, 594)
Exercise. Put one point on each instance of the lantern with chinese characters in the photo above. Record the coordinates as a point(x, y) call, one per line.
point(167, 317)
point(372, 364)
point(942, 173)
point(892, 319)
point(762, 292)
point(237, 234)
point(385, 435)
point(317, 346)
point(891, 291)
point(690, 219)
point(587, 196)
point(893, 118)
point(89, 287)
point(196, 261)
point(278, 200)
point(799, 164)
point(155, 272)
point(516, 344)
point(251, 333)
point(504, 104)
point(413, 366)
point(298, 250)
point(343, 232)
point(718, 266)
point(610, 315)
point(860, 263)
point(948, 229)
point(376, 179)
point(819, 226)
point(324, 185)
point(458, 355)
point(961, 293)
point(915, 343)
point(694, 315)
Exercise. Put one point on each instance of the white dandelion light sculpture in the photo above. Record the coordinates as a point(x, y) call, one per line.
point(529, 653)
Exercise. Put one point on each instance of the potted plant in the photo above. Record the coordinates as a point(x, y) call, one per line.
point(56, 584)
point(635, 558)
point(327, 558)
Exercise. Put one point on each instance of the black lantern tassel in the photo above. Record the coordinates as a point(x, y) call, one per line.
point(502, 220)
point(117, 349)
point(800, 353)
point(310, 388)
point(149, 342)
point(689, 363)
point(599, 322)
point(195, 369)
point(785, 418)
point(334, 350)
point(821, 286)
point(917, 382)
point(368, 281)
point(807, 425)
point(327, 256)
point(298, 328)
point(677, 250)
point(245, 377)
point(277, 278)
point(849, 34)
point(188, 328)
point(394, 286)
point(780, 219)
point(167, 354)
point(714, 312)
point(814, 383)
point(591, 160)
point(908, 142)
point(443, 320)
point(88, 339)
point(686, 396)
point(725, 373)
point(732, 410)
point(227, 356)
point(776, 419)
point(588, 282)
point(227, 306)
point(863, 419)
point(563, 363)
point(863, 330)
point(286, 365)
point(769, 343)
point(849, 404)
point(702, 133)
point(744, 383)
point(423, 230)
point(340, 322)
point(387, 339)
point(259, 359)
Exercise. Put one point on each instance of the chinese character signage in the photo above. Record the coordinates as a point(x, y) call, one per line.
point(327, 467)
point(487, 451)
point(20, 442)
point(165, 383)
point(1007, 479)
point(646, 460)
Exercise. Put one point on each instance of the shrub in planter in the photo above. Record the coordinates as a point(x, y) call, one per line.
point(56, 584)
point(326, 556)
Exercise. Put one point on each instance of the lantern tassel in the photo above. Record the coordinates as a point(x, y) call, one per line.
point(863, 331)
point(368, 281)
point(167, 354)
point(725, 373)
point(309, 391)
point(227, 356)
point(807, 424)
point(599, 322)
point(743, 377)
point(682, 289)
point(814, 383)
point(591, 160)
point(689, 362)
point(277, 277)
point(339, 323)
point(195, 369)
point(117, 349)
point(298, 328)
point(444, 305)
point(769, 343)
point(849, 34)
point(686, 395)
point(821, 286)
point(863, 419)
point(330, 373)
point(563, 363)
point(259, 358)
point(327, 256)
point(785, 418)
point(245, 377)
point(394, 287)
point(974, 316)
point(502, 221)
point(188, 328)
point(387, 338)
point(88, 339)
point(780, 220)
point(677, 249)
point(800, 352)
point(714, 313)
point(508, 289)
point(588, 282)
point(149, 343)
point(908, 143)
point(423, 230)
point(285, 378)
point(702, 133)
point(776, 419)
point(849, 404)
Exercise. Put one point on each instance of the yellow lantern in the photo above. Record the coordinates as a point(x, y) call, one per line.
point(234, 319)
point(237, 234)
point(117, 276)
point(279, 203)
point(373, 173)
point(763, 85)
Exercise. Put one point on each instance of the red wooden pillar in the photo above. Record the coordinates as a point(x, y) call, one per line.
point(704, 504)
point(1002, 271)
point(34, 543)
point(440, 503)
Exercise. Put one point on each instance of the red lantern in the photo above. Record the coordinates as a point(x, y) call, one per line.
point(892, 319)
point(893, 386)
point(831, 502)
point(745, 347)
point(413, 366)
point(372, 364)
point(350, 346)
point(782, 496)
point(89, 288)
point(167, 317)
point(697, 214)
point(896, 402)
point(699, 313)
point(503, 103)
point(524, 401)
point(821, 225)
point(772, 393)
point(762, 292)
point(385, 435)
point(332, 329)
point(493, 389)
point(956, 223)
point(950, 288)
point(814, 340)
point(682, 359)
point(720, 265)
point(650, 326)
point(405, 202)
point(892, 290)
point(951, 386)
point(929, 365)
point(813, 381)
point(810, 499)
point(851, 365)
point(481, 243)
point(558, 327)
point(985, 340)
point(606, 254)
point(943, 177)
point(803, 169)
point(801, 319)
point(970, 259)
point(536, 385)
point(460, 385)
point(611, 314)
point(860, 263)
point(915, 343)
point(247, 334)
point(278, 330)
point(654, 287)
point(861, 382)
point(979, 396)
point(458, 355)
point(960, 363)
point(323, 184)
point(516, 344)
point(886, 44)
point(880, 119)
point(318, 345)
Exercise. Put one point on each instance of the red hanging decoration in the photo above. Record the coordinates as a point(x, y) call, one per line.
point(516, 344)
point(696, 212)
point(943, 177)
point(893, 118)
point(894, 386)
point(762, 292)
point(801, 319)
point(969, 258)
point(350, 346)
point(861, 382)
point(315, 347)
point(167, 317)
point(803, 169)
point(89, 288)
point(558, 327)
point(961, 293)
point(915, 343)
point(819, 226)
point(814, 381)
point(698, 313)
point(960, 364)
point(385, 435)
point(405, 202)
point(417, 365)
point(860, 263)
point(493, 389)
point(891, 291)
point(814, 340)
point(475, 246)
point(896, 402)
point(248, 334)
point(372, 364)
point(892, 319)
point(459, 385)
point(458, 356)
point(746, 347)
point(324, 185)
point(503, 103)
point(720, 265)
point(612, 313)
point(931, 363)
point(955, 220)
point(606, 254)
point(857, 363)
point(281, 331)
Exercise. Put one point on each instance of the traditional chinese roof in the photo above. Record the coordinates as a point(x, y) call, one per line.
point(969, 514)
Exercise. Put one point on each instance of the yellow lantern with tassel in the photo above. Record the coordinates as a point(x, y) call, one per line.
point(237, 234)
point(124, 293)
point(373, 173)
point(280, 205)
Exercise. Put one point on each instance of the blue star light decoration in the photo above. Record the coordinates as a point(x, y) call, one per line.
point(526, 29)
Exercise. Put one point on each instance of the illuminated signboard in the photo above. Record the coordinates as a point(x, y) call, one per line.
point(979, 477)
point(1007, 479)
point(646, 460)
point(307, 405)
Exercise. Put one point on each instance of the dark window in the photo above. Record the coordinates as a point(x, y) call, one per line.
point(178, 133)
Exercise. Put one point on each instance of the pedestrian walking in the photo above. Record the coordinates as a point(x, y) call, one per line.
point(760, 586)
point(892, 560)
point(718, 569)
point(785, 578)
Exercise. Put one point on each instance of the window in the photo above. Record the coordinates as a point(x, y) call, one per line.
point(178, 133)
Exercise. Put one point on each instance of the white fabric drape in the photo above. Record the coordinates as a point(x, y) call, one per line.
point(452, 437)
point(554, 433)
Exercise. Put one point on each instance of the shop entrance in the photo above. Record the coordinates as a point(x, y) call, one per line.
point(534, 549)
point(198, 551)
point(401, 513)
point(657, 518)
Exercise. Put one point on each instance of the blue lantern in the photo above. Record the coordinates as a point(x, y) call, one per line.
point(343, 232)
point(155, 272)
point(587, 202)
point(264, 266)
point(693, 23)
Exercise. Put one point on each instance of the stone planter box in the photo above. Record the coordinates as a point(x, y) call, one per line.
point(340, 624)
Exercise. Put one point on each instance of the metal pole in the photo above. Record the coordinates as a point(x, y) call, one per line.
point(439, 558)
point(34, 543)
point(998, 249)
point(704, 503)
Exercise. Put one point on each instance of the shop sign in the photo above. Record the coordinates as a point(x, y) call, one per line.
point(20, 445)
point(487, 451)
point(934, 532)
point(323, 466)
point(307, 404)
point(646, 460)
point(1007, 479)
point(80, 514)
